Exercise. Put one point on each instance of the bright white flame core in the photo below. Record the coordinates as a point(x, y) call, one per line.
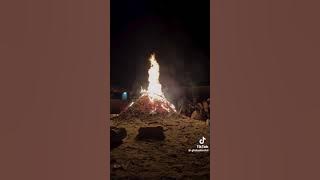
point(154, 90)
point(154, 87)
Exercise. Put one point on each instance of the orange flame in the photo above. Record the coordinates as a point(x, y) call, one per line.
point(154, 90)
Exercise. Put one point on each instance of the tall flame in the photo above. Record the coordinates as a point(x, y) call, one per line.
point(154, 87)
point(154, 90)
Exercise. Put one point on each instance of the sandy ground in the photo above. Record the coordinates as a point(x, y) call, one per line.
point(167, 159)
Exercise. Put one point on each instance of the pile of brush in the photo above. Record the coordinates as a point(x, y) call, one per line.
point(147, 106)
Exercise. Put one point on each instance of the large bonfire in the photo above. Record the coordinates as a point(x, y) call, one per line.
point(151, 100)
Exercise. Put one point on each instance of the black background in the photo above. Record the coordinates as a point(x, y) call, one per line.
point(177, 31)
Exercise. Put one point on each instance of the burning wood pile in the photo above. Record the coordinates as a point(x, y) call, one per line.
point(152, 100)
point(159, 130)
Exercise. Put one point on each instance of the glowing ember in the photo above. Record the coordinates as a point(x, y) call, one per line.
point(131, 104)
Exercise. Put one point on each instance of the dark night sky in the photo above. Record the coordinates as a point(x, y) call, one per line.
point(177, 31)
